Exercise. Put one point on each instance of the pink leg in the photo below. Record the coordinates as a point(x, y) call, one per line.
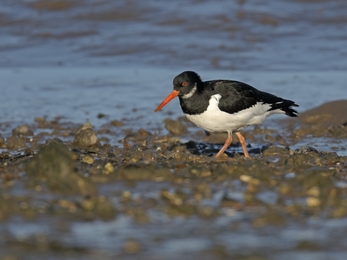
point(243, 144)
point(225, 146)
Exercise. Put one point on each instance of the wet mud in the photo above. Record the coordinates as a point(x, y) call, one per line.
point(58, 172)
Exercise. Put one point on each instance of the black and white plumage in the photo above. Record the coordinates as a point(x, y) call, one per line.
point(225, 105)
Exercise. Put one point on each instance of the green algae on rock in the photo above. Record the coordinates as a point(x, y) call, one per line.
point(54, 165)
point(15, 142)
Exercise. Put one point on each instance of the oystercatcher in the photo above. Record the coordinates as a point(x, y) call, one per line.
point(225, 105)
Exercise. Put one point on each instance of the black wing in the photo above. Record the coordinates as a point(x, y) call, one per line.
point(237, 96)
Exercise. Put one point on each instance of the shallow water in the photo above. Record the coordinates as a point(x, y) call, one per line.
point(131, 94)
point(77, 60)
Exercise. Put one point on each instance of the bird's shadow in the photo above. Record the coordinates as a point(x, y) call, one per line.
point(210, 149)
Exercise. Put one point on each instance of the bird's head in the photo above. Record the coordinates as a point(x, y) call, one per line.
point(184, 86)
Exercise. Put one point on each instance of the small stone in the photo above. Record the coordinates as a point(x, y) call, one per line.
point(245, 178)
point(22, 130)
point(41, 121)
point(108, 168)
point(101, 115)
point(87, 159)
point(143, 133)
point(313, 192)
point(313, 202)
point(85, 137)
point(126, 196)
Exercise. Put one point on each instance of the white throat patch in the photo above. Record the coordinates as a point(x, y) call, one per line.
point(191, 93)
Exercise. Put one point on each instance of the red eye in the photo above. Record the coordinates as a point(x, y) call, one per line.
point(184, 83)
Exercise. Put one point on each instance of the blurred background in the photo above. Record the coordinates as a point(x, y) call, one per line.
point(202, 34)
point(76, 59)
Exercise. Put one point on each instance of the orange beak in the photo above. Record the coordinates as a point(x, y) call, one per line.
point(172, 95)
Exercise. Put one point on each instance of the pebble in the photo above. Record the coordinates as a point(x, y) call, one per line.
point(85, 136)
point(87, 159)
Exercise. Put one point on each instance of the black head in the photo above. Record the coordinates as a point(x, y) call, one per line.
point(184, 85)
point(186, 81)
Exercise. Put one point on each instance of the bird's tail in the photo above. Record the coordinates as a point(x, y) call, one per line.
point(286, 106)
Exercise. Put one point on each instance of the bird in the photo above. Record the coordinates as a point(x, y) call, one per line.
point(225, 105)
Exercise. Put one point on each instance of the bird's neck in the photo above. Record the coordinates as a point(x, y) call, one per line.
point(195, 104)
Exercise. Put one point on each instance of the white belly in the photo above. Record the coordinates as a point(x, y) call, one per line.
point(215, 120)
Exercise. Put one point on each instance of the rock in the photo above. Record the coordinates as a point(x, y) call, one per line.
point(298, 159)
point(313, 202)
point(338, 131)
point(175, 127)
point(275, 150)
point(245, 178)
point(41, 121)
point(101, 115)
point(85, 137)
point(108, 168)
point(116, 123)
point(22, 130)
point(15, 142)
point(142, 133)
point(306, 150)
point(54, 165)
point(87, 159)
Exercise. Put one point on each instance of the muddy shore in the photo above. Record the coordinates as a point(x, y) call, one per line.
point(134, 184)
point(59, 174)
